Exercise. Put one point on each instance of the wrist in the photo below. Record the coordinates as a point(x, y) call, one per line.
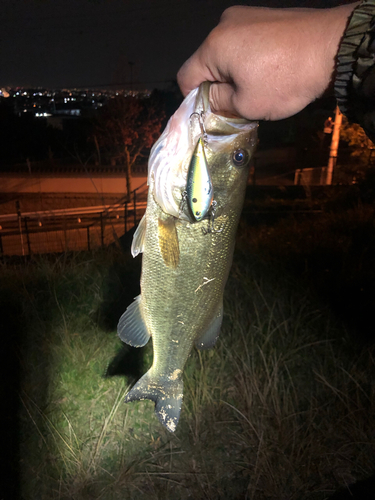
point(337, 19)
point(355, 75)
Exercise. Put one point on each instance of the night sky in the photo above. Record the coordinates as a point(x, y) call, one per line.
point(89, 43)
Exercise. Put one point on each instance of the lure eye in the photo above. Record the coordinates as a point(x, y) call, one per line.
point(239, 157)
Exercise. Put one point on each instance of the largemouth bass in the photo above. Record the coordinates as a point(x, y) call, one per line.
point(197, 179)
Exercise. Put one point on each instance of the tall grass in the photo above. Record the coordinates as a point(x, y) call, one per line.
point(301, 398)
point(281, 408)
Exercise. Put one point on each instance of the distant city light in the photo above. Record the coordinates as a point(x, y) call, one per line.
point(48, 102)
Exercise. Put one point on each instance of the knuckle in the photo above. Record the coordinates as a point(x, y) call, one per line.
point(211, 44)
point(211, 39)
point(230, 12)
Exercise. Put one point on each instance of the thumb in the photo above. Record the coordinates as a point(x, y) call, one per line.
point(192, 73)
point(222, 95)
point(222, 98)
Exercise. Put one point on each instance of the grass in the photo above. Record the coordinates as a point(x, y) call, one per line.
point(282, 408)
point(333, 254)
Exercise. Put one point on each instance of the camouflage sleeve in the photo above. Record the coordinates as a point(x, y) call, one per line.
point(355, 72)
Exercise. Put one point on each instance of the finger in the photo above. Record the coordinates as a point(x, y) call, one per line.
point(221, 99)
point(192, 73)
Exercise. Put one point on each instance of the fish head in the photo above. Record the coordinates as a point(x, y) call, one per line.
point(228, 147)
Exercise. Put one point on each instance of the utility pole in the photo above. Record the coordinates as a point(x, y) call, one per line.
point(334, 146)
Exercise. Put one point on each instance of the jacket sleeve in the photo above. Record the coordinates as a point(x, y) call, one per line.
point(355, 72)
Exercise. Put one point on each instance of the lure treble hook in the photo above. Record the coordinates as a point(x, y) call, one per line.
point(201, 125)
point(211, 224)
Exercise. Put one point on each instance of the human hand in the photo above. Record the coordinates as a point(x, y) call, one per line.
point(267, 64)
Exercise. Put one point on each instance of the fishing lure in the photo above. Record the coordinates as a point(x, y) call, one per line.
point(199, 188)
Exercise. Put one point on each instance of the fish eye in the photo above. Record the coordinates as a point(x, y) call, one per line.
point(239, 157)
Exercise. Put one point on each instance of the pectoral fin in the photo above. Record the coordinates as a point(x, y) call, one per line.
point(139, 238)
point(209, 338)
point(131, 326)
point(168, 241)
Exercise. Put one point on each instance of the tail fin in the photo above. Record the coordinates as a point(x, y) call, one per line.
point(165, 391)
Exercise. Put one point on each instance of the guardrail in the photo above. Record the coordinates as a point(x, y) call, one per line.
point(71, 229)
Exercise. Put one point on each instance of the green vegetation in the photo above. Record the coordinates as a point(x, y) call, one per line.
point(282, 407)
point(362, 148)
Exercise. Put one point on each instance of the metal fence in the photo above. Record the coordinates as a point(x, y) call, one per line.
point(75, 229)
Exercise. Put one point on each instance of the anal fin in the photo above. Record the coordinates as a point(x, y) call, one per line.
point(209, 338)
point(131, 327)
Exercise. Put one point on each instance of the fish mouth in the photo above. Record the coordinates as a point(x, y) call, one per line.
point(216, 123)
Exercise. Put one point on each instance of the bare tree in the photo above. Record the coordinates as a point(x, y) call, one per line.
point(126, 128)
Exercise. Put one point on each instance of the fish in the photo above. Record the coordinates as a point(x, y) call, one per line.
point(186, 256)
